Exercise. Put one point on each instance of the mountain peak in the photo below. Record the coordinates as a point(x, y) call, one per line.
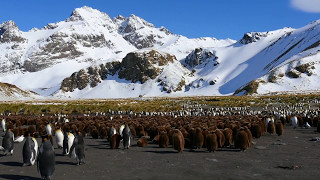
point(138, 20)
point(86, 13)
point(8, 25)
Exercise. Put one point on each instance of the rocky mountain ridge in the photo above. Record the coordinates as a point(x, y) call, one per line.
point(91, 55)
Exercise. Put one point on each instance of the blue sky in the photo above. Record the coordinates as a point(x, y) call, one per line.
point(191, 18)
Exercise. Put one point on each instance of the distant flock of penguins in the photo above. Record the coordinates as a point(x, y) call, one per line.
point(194, 132)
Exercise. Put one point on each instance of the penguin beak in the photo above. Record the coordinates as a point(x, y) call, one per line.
point(45, 139)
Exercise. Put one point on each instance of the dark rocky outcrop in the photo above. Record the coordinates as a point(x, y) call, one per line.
point(198, 56)
point(134, 67)
point(143, 66)
point(252, 37)
point(250, 88)
point(91, 76)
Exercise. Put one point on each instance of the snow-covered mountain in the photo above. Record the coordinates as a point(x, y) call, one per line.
point(90, 55)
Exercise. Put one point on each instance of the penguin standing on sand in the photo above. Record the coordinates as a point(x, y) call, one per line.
point(67, 142)
point(46, 159)
point(8, 142)
point(121, 128)
point(112, 132)
point(30, 151)
point(3, 125)
point(77, 149)
point(49, 129)
point(59, 138)
point(127, 137)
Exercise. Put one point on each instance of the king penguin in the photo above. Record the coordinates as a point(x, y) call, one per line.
point(77, 149)
point(59, 138)
point(3, 125)
point(8, 142)
point(30, 151)
point(46, 159)
point(67, 142)
point(121, 128)
point(127, 137)
point(49, 129)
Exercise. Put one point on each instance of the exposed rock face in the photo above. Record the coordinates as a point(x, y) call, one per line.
point(57, 46)
point(198, 56)
point(130, 29)
point(143, 66)
point(91, 76)
point(134, 67)
point(9, 32)
point(252, 37)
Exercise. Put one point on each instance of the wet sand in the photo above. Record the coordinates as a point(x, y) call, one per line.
point(290, 156)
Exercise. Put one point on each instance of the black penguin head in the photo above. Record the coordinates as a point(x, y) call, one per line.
point(45, 138)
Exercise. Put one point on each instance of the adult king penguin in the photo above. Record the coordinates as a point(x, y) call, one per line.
point(8, 142)
point(127, 137)
point(59, 138)
point(46, 159)
point(3, 125)
point(67, 142)
point(30, 151)
point(77, 149)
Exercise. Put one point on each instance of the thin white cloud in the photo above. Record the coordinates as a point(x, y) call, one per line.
point(311, 6)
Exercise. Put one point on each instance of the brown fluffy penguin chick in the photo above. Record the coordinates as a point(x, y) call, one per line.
point(228, 136)
point(115, 141)
point(263, 127)
point(142, 142)
point(256, 130)
point(103, 133)
point(271, 129)
point(42, 130)
point(198, 138)
point(94, 133)
point(133, 131)
point(140, 131)
point(241, 140)
point(249, 135)
point(163, 140)
point(155, 140)
point(279, 128)
point(211, 142)
point(31, 129)
point(178, 140)
point(220, 138)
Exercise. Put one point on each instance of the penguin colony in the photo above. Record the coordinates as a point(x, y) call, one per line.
point(177, 132)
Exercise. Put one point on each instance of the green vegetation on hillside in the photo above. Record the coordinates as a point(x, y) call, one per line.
point(150, 104)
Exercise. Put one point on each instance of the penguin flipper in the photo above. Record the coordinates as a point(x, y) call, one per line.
point(38, 160)
point(72, 149)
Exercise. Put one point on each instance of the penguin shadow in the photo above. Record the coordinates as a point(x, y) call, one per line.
point(161, 151)
point(61, 155)
point(99, 146)
point(65, 163)
point(228, 150)
point(198, 151)
point(11, 176)
point(134, 145)
point(303, 131)
point(13, 164)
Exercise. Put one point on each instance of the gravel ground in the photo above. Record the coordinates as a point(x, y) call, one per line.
point(290, 156)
